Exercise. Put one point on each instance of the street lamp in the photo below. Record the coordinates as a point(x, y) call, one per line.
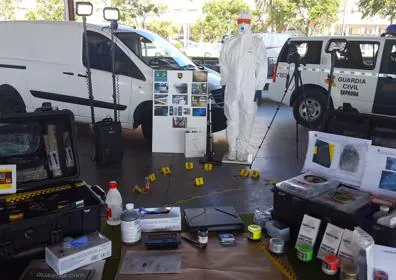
point(84, 9)
point(112, 15)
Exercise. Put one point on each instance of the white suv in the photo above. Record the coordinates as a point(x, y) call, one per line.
point(364, 77)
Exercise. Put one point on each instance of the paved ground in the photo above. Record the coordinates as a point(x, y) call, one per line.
point(223, 186)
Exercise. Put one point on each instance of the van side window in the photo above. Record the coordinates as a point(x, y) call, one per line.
point(388, 65)
point(100, 57)
point(309, 51)
point(358, 55)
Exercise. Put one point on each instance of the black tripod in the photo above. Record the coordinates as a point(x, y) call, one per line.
point(209, 156)
point(296, 78)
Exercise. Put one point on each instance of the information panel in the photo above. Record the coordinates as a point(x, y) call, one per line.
point(180, 101)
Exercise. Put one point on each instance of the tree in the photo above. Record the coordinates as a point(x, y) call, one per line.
point(136, 12)
point(384, 8)
point(7, 9)
point(220, 19)
point(47, 10)
point(281, 15)
point(313, 15)
point(165, 29)
point(261, 14)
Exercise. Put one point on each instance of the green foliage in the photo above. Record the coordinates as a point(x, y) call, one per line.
point(47, 10)
point(7, 9)
point(165, 29)
point(308, 16)
point(220, 19)
point(135, 12)
point(384, 8)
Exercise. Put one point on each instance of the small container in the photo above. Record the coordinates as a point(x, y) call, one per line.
point(203, 237)
point(384, 211)
point(147, 184)
point(277, 246)
point(304, 253)
point(349, 271)
point(130, 225)
point(330, 265)
point(113, 204)
point(254, 232)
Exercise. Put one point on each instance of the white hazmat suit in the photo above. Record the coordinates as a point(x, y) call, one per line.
point(243, 67)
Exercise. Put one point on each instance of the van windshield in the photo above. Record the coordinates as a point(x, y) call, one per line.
point(154, 50)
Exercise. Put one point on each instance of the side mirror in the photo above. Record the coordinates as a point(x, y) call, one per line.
point(336, 45)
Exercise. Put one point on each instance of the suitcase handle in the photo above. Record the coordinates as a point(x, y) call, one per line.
point(99, 192)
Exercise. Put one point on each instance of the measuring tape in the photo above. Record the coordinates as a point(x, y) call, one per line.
point(279, 263)
point(254, 232)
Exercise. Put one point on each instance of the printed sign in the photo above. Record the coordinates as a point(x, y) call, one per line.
point(7, 179)
point(331, 241)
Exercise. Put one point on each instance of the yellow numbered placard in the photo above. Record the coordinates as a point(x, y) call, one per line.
point(199, 181)
point(189, 165)
point(255, 174)
point(152, 177)
point(244, 173)
point(165, 170)
point(208, 166)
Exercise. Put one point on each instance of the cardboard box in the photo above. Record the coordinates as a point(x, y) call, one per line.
point(162, 222)
point(75, 253)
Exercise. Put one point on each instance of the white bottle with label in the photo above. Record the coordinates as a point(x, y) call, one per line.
point(130, 225)
point(113, 204)
point(384, 211)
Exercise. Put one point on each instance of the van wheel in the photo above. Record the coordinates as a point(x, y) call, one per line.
point(309, 112)
point(11, 101)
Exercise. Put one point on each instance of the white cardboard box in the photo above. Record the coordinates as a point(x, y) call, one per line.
point(161, 222)
point(66, 256)
point(195, 143)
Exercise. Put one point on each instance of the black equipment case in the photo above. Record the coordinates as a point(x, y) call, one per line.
point(50, 202)
point(290, 209)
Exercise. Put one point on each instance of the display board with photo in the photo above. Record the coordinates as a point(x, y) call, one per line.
point(180, 101)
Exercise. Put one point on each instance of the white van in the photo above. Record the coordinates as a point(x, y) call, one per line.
point(44, 61)
point(365, 77)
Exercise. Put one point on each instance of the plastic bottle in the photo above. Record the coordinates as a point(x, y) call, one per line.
point(384, 211)
point(113, 204)
point(130, 225)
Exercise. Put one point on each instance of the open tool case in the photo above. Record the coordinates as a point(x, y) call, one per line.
point(50, 202)
point(290, 209)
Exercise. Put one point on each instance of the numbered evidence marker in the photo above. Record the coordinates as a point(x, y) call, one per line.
point(152, 177)
point(189, 165)
point(244, 173)
point(255, 174)
point(165, 170)
point(331, 241)
point(198, 182)
point(208, 166)
point(308, 231)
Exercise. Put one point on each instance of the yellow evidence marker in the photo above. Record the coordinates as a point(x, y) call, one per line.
point(189, 165)
point(208, 166)
point(255, 174)
point(165, 170)
point(244, 173)
point(152, 177)
point(198, 182)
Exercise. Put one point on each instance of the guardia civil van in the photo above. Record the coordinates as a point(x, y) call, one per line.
point(45, 61)
point(364, 76)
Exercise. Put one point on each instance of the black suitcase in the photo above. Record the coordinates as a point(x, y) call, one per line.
point(290, 209)
point(50, 202)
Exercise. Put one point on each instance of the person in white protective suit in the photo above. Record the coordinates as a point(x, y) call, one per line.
point(243, 68)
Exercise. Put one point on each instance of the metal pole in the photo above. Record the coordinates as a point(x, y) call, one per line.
point(89, 78)
point(113, 73)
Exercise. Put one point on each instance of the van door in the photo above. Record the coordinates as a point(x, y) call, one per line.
point(102, 85)
point(356, 74)
point(385, 96)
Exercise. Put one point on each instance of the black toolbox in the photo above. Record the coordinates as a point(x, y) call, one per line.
point(50, 202)
point(290, 209)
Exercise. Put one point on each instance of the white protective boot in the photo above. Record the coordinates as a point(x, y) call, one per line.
point(232, 155)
